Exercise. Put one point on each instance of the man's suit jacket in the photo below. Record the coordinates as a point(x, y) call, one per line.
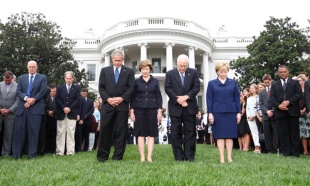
point(8, 99)
point(50, 105)
point(71, 100)
point(307, 95)
point(292, 92)
point(265, 104)
point(38, 91)
point(89, 110)
point(174, 88)
point(223, 98)
point(123, 88)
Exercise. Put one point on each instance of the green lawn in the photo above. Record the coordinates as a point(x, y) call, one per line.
point(83, 168)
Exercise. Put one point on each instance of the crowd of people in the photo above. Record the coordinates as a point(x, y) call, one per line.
point(37, 119)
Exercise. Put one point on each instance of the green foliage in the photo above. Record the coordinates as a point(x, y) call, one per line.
point(28, 36)
point(92, 95)
point(83, 168)
point(282, 43)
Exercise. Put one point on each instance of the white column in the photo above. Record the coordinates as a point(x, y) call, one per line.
point(143, 51)
point(106, 59)
point(205, 61)
point(191, 56)
point(169, 56)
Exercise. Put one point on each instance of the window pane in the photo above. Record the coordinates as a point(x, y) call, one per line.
point(156, 65)
point(91, 70)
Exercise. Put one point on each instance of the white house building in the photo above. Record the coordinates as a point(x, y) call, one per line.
point(160, 40)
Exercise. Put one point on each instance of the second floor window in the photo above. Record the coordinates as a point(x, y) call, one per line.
point(156, 62)
point(91, 72)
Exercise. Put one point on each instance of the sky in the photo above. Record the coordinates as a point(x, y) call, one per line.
point(240, 17)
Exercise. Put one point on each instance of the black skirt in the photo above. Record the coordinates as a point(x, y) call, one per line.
point(146, 123)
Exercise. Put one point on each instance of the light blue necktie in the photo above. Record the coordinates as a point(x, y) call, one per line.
point(116, 75)
point(68, 89)
point(182, 78)
point(30, 85)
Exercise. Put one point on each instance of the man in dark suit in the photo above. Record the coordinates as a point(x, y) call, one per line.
point(182, 85)
point(116, 84)
point(31, 89)
point(50, 144)
point(270, 128)
point(83, 127)
point(8, 104)
point(67, 108)
point(285, 95)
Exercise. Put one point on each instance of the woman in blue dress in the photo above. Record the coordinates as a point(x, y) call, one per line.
point(224, 109)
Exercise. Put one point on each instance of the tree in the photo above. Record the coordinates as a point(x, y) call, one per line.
point(28, 36)
point(282, 43)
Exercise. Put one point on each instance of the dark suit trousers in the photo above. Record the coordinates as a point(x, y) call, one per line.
point(26, 123)
point(78, 137)
point(289, 135)
point(82, 134)
point(113, 129)
point(7, 133)
point(271, 134)
point(183, 132)
point(50, 145)
point(42, 135)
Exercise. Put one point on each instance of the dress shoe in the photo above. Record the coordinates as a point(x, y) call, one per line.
point(101, 160)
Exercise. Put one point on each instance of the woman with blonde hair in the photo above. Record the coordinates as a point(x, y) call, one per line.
point(304, 121)
point(224, 108)
point(251, 109)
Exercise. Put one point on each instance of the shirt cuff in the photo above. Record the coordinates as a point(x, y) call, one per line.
point(25, 99)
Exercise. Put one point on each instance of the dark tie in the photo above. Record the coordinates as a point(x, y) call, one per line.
point(30, 85)
point(284, 87)
point(284, 84)
point(268, 91)
point(182, 78)
point(116, 74)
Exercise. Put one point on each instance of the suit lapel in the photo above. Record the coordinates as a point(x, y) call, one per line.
point(3, 87)
point(186, 77)
point(279, 84)
point(110, 72)
point(178, 77)
point(34, 82)
point(265, 94)
point(122, 73)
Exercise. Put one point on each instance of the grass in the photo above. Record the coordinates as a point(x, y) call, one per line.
point(83, 168)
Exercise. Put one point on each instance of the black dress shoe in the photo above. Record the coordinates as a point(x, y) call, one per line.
point(179, 160)
point(101, 160)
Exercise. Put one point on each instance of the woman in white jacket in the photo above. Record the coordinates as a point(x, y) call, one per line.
point(251, 114)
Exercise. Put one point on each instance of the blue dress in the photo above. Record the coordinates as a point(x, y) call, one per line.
point(223, 101)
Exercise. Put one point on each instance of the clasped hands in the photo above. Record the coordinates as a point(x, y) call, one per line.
point(4, 112)
point(283, 105)
point(29, 102)
point(115, 101)
point(182, 100)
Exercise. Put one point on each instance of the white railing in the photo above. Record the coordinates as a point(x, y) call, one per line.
point(151, 23)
